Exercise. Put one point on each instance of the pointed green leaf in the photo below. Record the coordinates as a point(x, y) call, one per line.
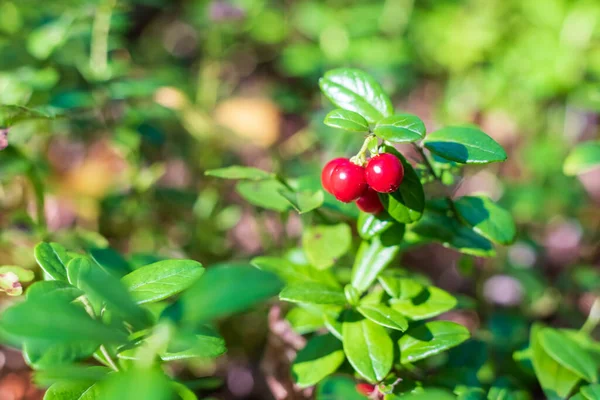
point(487, 218)
point(401, 288)
point(400, 128)
point(325, 244)
point(430, 302)
point(465, 145)
point(371, 259)
point(347, 120)
point(162, 279)
point(312, 293)
point(240, 172)
point(568, 354)
point(53, 259)
point(57, 289)
point(384, 316)
point(430, 339)
point(584, 157)
point(110, 261)
point(368, 347)
point(321, 357)
point(354, 90)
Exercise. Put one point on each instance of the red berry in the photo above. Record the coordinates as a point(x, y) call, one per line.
point(369, 202)
point(365, 388)
point(348, 181)
point(384, 173)
point(327, 170)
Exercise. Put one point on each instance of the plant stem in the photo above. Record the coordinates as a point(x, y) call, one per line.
point(360, 158)
point(108, 358)
point(593, 318)
point(436, 177)
point(99, 45)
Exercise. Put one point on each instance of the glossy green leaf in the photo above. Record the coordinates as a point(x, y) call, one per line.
point(568, 354)
point(293, 273)
point(54, 320)
point(53, 259)
point(162, 279)
point(487, 218)
point(338, 388)
point(371, 259)
point(354, 90)
point(426, 394)
point(401, 288)
point(430, 302)
point(304, 201)
point(400, 128)
point(368, 347)
point(312, 293)
point(591, 392)
point(556, 381)
point(325, 244)
point(240, 172)
point(321, 357)
point(225, 290)
point(584, 157)
point(99, 284)
point(264, 193)
point(407, 204)
point(56, 289)
point(370, 225)
point(304, 321)
point(42, 355)
point(110, 260)
point(384, 316)
point(465, 145)
point(203, 344)
point(347, 120)
point(70, 390)
point(430, 339)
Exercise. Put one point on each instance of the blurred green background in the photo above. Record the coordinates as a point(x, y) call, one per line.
point(149, 94)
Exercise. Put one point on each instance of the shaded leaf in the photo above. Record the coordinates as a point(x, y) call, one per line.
point(568, 353)
point(400, 128)
point(430, 302)
point(312, 293)
point(265, 194)
point(384, 316)
point(487, 218)
point(430, 339)
point(321, 357)
point(465, 145)
point(338, 388)
point(371, 259)
point(324, 244)
point(53, 259)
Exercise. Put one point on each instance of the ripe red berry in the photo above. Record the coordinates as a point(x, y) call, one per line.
point(327, 171)
point(384, 173)
point(369, 202)
point(347, 181)
point(365, 388)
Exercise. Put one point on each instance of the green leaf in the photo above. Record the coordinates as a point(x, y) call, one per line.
point(41, 355)
point(147, 384)
point(226, 290)
point(303, 320)
point(312, 293)
point(265, 194)
point(407, 204)
point(430, 339)
point(162, 279)
point(203, 344)
point(293, 273)
point(451, 233)
point(347, 120)
point(354, 90)
point(99, 284)
point(384, 316)
point(430, 302)
point(466, 145)
point(324, 244)
point(568, 353)
point(487, 218)
point(591, 392)
point(72, 373)
point(70, 390)
point(584, 157)
point(338, 388)
point(401, 288)
point(54, 320)
point(367, 346)
point(304, 201)
point(400, 128)
point(13, 163)
point(43, 41)
point(556, 381)
point(53, 259)
point(56, 289)
point(370, 225)
point(240, 172)
point(110, 261)
point(426, 394)
point(321, 357)
point(371, 259)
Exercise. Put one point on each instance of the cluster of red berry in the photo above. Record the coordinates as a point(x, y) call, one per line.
point(348, 182)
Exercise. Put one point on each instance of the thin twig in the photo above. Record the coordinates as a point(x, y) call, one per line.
point(108, 358)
